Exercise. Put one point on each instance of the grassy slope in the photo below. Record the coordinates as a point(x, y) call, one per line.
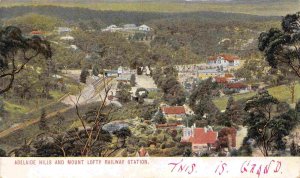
point(280, 92)
point(278, 8)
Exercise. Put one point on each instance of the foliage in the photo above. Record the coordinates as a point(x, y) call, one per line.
point(122, 134)
point(233, 114)
point(16, 52)
point(123, 93)
point(159, 118)
point(265, 125)
point(83, 75)
point(30, 22)
point(132, 80)
point(43, 121)
point(166, 79)
point(201, 102)
point(281, 47)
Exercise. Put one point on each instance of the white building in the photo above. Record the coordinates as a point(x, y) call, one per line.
point(144, 28)
point(67, 38)
point(224, 60)
point(111, 28)
point(63, 30)
point(130, 27)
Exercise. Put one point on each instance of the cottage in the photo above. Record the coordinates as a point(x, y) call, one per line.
point(144, 28)
point(142, 153)
point(67, 38)
point(237, 87)
point(36, 32)
point(226, 78)
point(124, 78)
point(224, 60)
point(202, 139)
point(63, 30)
point(111, 28)
point(130, 27)
point(111, 73)
point(174, 112)
point(220, 80)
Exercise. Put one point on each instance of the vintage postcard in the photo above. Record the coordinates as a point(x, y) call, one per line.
point(149, 88)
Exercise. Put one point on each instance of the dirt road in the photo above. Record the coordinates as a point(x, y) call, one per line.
point(89, 92)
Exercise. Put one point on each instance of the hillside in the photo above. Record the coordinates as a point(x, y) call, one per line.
point(261, 8)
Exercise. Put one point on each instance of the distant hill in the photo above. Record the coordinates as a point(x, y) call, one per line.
point(255, 7)
point(99, 1)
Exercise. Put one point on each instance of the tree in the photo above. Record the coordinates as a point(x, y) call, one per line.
point(233, 113)
point(96, 70)
point(294, 149)
point(16, 51)
point(265, 125)
point(122, 134)
point(159, 118)
point(141, 94)
point(132, 80)
point(43, 121)
point(83, 75)
point(282, 47)
point(201, 102)
point(2, 153)
point(60, 121)
point(1, 107)
point(123, 92)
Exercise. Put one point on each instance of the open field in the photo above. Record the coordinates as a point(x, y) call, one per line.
point(265, 9)
point(282, 93)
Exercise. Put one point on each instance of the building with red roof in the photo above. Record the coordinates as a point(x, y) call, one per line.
point(221, 80)
point(224, 60)
point(142, 153)
point(202, 139)
point(36, 32)
point(237, 87)
point(174, 112)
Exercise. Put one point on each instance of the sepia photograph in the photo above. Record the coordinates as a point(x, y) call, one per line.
point(150, 88)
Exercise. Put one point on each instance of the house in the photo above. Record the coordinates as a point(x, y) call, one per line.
point(63, 30)
point(224, 60)
point(144, 28)
point(142, 153)
point(173, 112)
point(124, 78)
point(67, 38)
point(237, 87)
point(226, 78)
point(37, 32)
point(220, 80)
point(128, 27)
point(111, 28)
point(205, 74)
point(111, 73)
point(202, 139)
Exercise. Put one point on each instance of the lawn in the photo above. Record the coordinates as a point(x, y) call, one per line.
point(282, 93)
point(262, 8)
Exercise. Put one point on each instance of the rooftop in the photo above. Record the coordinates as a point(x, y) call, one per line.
point(200, 136)
point(173, 110)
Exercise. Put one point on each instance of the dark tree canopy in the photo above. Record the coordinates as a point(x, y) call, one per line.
point(16, 51)
point(281, 47)
point(266, 126)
